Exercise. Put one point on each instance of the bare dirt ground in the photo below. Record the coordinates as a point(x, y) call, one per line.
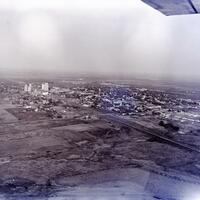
point(74, 158)
point(5, 116)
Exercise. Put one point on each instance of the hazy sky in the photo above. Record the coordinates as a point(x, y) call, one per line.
point(97, 36)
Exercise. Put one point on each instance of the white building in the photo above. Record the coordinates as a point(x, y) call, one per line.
point(45, 88)
point(28, 87)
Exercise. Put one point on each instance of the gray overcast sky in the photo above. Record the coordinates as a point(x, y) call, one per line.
point(97, 36)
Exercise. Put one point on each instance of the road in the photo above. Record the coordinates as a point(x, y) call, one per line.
point(148, 131)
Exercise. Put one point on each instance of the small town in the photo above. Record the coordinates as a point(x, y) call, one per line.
point(56, 101)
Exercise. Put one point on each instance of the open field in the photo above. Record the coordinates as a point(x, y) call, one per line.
point(5, 116)
point(54, 159)
point(21, 114)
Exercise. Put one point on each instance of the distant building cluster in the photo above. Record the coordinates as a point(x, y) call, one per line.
point(58, 100)
point(129, 101)
point(44, 89)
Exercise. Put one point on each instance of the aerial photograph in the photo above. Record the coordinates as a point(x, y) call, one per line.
point(99, 100)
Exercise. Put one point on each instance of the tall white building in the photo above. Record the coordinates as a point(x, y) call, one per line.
point(45, 87)
point(28, 87)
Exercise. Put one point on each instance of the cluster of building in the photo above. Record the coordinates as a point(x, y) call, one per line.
point(122, 100)
point(133, 101)
point(58, 100)
point(28, 88)
point(44, 89)
point(117, 99)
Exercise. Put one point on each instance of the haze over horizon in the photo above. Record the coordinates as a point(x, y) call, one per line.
point(102, 37)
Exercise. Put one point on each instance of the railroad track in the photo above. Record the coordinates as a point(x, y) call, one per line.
point(151, 132)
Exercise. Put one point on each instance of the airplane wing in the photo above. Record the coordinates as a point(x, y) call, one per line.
point(175, 7)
